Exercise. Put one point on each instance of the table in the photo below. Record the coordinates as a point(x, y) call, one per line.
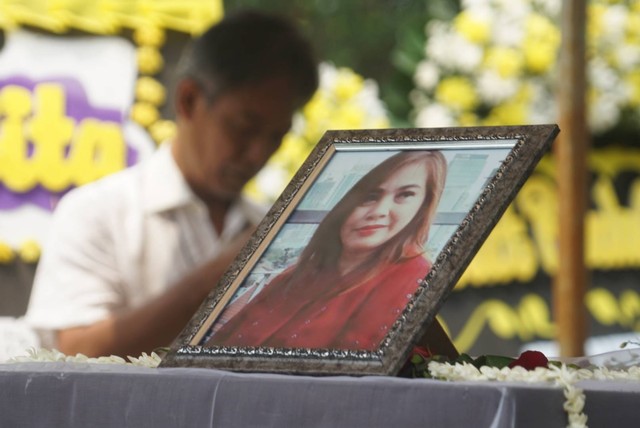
point(84, 395)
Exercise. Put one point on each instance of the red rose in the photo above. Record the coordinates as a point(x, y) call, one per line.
point(530, 360)
point(423, 352)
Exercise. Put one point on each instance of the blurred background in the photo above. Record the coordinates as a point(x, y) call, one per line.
point(384, 63)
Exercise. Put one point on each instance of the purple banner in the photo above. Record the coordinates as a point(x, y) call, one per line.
point(78, 108)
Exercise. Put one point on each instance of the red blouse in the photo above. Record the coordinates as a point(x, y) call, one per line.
point(325, 312)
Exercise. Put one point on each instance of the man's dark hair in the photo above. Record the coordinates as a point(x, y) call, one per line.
point(248, 47)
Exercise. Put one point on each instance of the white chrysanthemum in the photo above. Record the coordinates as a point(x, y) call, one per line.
point(494, 88)
point(604, 112)
point(369, 100)
point(452, 51)
point(602, 76)
point(297, 124)
point(469, 4)
point(523, 44)
point(627, 57)
point(549, 7)
point(543, 109)
point(614, 20)
point(271, 177)
point(328, 75)
point(427, 75)
point(514, 9)
point(434, 116)
point(507, 31)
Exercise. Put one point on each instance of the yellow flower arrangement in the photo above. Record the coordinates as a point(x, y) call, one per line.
point(30, 251)
point(457, 93)
point(149, 60)
point(506, 55)
point(150, 90)
point(6, 253)
point(145, 114)
point(149, 35)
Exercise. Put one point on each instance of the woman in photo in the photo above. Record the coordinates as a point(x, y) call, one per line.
point(360, 268)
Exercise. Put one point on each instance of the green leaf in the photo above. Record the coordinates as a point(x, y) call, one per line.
point(464, 358)
point(404, 62)
point(417, 359)
point(497, 361)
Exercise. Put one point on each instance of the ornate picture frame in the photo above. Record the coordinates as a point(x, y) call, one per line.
point(332, 282)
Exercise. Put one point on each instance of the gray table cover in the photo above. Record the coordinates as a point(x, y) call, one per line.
point(111, 395)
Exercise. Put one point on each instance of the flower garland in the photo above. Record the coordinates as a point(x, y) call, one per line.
point(563, 376)
point(344, 100)
point(529, 367)
point(495, 63)
point(52, 355)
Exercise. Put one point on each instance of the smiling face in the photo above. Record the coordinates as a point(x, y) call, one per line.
point(385, 211)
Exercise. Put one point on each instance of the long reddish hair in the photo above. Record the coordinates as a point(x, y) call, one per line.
point(323, 251)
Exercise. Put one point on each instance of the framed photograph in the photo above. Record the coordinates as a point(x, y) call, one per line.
point(351, 265)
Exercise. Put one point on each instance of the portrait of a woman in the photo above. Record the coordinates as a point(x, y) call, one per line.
point(360, 268)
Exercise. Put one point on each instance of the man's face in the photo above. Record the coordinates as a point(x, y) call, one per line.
point(226, 142)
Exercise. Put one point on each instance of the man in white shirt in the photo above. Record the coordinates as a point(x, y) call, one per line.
point(132, 256)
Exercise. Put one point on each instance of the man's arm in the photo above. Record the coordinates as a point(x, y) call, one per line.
point(154, 324)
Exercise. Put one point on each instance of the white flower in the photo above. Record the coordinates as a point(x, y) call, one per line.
point(563, 376)
point(53, 355)
point(433, 116)
point(427, 75)
point(507, 30)
point(451, 50)
point(627, 56)
point(604, 113)
point(271, 177)
point(507, 50)
point(614, 21)
point(145, 360)
point(575, 399)
point(543, 109)
point(494, 88)
point(577, 420)
point(602, 76)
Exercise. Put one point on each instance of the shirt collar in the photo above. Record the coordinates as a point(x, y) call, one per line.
point(164, 187)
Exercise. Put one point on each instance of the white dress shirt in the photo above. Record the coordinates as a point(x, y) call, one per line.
point(122, 240)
